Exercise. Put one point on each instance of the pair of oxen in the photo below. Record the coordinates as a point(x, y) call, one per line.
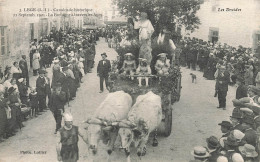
point(116, 117)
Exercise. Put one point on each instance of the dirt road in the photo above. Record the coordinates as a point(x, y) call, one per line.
point(195, 117)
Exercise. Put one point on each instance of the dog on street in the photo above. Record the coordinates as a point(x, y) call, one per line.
point(193, 78)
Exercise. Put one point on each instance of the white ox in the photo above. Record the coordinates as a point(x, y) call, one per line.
point(144, 117)
point(115, 107)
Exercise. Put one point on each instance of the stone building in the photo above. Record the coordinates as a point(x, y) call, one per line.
point(235, 22)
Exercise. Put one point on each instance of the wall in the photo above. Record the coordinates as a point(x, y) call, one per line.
point(235, 27)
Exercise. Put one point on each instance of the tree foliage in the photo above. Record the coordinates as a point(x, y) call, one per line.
point(164, 13)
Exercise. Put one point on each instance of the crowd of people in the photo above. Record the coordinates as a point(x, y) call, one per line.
point(239, 62)
point(228, 66)
point(70, 55)
point(240, 136)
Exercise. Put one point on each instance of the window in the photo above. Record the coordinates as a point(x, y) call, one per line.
point(258, 37)
point(213, 35)
point(3, 41)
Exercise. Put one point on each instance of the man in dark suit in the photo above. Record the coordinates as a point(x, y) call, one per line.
point(41, 90)
point(57, 102)
point(64, 81)
point(223, 78)
point(241, 89)
point(23, 66)
point(103, 68)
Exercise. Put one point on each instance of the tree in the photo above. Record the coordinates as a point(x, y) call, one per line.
point(164, 13)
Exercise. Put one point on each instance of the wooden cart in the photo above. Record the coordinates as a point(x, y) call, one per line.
point(168, 87)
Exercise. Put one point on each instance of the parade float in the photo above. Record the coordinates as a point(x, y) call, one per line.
point(166, 85)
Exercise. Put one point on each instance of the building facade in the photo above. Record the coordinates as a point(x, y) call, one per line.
point(17, 32)
point(235, 22)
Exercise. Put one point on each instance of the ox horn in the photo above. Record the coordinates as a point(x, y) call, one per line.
point(107, 128)
point(94, 121)
point(126, 124)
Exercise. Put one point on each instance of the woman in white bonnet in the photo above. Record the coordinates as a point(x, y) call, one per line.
point(67, 140)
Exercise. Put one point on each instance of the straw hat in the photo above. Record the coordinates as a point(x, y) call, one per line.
point(200, 152)
point(104, 54)
point(222, 159)
point(129, 54)
point(21, 80)
point(81, 59)
point(248, 150)
point(162, 55)
point(238, 134)
point(56, 61)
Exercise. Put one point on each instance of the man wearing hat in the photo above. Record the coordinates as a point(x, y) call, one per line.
point(230, 147)
point(24, 68)
point(64, 80)
point(226, 127)
point(67, 140)
point(248, 152)
point(236, 119)
point(213, 145)
point(241, 89)
point(57, 102)
point(103, 68)
point(222, 78)
point(41, 90)
point(250, 133)
point(200, 153)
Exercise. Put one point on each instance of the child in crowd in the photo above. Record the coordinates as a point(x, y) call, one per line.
point(34, 102)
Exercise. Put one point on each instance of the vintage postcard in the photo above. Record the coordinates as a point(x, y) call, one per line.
point(129, 80)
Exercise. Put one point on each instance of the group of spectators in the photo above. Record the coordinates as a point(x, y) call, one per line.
point(114, 35)
point(228, 66)
point(240, 136)
point(71, 52)
point(239, 62)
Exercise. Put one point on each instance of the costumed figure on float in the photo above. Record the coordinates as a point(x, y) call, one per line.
point(129, 65)
point(162, 64)
point(145, 32)
point(143, 70)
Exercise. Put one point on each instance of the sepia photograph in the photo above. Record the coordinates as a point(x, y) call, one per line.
point(130, 81)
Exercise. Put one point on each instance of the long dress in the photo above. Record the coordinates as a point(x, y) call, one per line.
point(72, 83)
point(15, 120)
point(76, 73)
point(55, 76)
point(3, 117)
point(145, 32)
point(249, 76)
point(36, 61)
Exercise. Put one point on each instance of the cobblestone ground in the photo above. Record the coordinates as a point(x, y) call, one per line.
point(195, 117)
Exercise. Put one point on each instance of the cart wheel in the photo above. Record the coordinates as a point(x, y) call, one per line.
point(179, 89)
point(168, 119)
